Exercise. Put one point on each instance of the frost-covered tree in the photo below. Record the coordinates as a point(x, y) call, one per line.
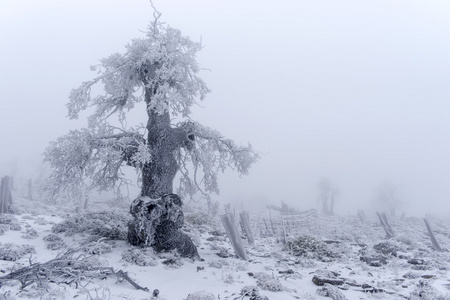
point(161, 71)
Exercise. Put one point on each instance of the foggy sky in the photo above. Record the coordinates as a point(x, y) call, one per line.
point(356, 91)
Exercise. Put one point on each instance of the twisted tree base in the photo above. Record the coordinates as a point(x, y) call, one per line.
point(157, 224)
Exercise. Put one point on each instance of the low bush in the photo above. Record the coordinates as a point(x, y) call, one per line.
point(98, 247)
point(12, 252)
point(55, 242)
point(310, 247)
point(3, 228)
point(201, 295)
point(252, 292)
point(8, 222)
point(268, 283)
point(198, 218)
point(330, 291)
point(110, 225)
point(52, 238)
point(140, 257)
point(30, 233)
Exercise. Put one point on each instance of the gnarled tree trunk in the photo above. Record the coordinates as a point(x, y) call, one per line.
point(157, 214)
point(163, 141)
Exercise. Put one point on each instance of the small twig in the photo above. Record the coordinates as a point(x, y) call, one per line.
point(124, 275)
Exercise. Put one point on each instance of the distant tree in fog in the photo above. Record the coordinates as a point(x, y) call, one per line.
point(386, 198)
point(327, 195)
point(160, 71)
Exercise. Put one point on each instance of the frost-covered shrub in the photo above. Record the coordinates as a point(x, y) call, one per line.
point(172, 259)
point(406, 239)
point(140, 257)
point(55, 242)
point(56, 245)
point(198, 218)
point(331, 291)
point(424, 291)
point(268, 283)
point(52, 238)
point(388, 247)
point(218, 263)
point(30, 233)
point(252, 292)
point(173, 263)
point(310, 247)
point(110, 225)
point(228, 278)
point(374, 260)
point(15, 227)
point(3, 228)
point(9, 222)
point(98, 248)
point(220, 250)
point(215, 264)
point(201, 295)
point(7, 219)
point(241, 266)
point(305, 263)
point(248, 290)
point(11, 252)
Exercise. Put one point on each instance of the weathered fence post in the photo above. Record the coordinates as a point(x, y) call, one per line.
point(232, 231)
point(283, 225)
point(30, 190)
point(5, 194)
point(435, 243)
point(85, 197)
point(385, 224)
point(245, 222)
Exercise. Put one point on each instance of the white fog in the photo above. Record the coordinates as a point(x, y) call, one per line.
point(354, 91)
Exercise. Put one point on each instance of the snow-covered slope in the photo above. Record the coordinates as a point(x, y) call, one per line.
point(354, 261)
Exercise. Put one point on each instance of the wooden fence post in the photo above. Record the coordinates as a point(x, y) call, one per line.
point(5, 195)
point(233, 234)
point(385, 224)
point(30, 190)
point(245, 222)
point(435, 243)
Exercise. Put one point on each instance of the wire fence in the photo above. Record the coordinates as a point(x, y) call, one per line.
point(305, 223)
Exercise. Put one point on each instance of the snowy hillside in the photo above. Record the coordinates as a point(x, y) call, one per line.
point(85, 256)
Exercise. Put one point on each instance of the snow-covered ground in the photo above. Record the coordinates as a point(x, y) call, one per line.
point(403, 267)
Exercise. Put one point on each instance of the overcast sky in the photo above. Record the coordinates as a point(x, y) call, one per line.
point(356, 91)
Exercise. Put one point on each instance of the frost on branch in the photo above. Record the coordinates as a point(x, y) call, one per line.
point(212, 154)
point(162, 62)
point(93, 158)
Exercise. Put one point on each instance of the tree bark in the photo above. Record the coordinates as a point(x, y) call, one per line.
point(163, 140)
point(159, 173)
